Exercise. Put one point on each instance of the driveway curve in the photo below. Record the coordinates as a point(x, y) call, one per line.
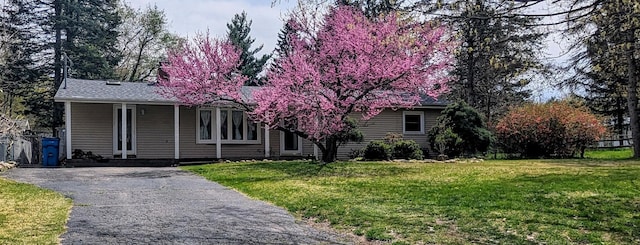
point(165, 206)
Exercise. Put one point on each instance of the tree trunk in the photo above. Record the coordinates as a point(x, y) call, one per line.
point(57, 66)
point(620, 120)
point(632, 101)
point(330, 151)
point(132, 78)
point(57, 47)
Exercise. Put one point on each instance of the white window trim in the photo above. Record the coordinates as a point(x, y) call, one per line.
point(229, 128)
point(212, 123)
point(134, 125)
point(284, 152)
point(404, 117)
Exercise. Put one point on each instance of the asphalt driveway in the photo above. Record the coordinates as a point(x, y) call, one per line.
point(165, 206)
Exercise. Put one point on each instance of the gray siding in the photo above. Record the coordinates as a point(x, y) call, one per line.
point(154, 131)
point(388, 121)
point(189, 148)
point(92, 128)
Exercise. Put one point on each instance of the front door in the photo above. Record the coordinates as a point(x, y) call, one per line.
point(131, 130)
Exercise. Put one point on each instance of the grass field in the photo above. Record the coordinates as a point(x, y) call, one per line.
point(31, 215)
point(609, 154)
point(583, 201)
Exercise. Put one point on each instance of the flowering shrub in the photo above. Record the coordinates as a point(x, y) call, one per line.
point(546, 130)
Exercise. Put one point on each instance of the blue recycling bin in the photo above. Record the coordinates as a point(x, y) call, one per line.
point(50, 149)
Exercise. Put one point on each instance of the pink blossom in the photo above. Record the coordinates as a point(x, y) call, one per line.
point(353, 64)
point(202, 72)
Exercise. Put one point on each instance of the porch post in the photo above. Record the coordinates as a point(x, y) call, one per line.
point(176, 131)
point(315, 151)
point(67, 125)
point(124, 131)
point(218, 133)
point(267, 142)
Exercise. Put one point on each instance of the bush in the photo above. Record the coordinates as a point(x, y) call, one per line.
point(460, 130)
point(355, 153)
point(406, 149)
point(377, 150)
point(545, 130)
point(445, 139)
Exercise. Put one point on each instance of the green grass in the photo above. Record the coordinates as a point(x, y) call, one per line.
point(31, 215)
point(611, 154)
point(574, 201)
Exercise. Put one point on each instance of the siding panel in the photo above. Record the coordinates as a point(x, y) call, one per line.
point(155, 132)
point(189, 148)
point(92, 128)
point(388, 121)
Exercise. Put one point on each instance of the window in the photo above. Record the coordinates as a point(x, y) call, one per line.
point(413, 122)
point(235, 128)
point(290, 144)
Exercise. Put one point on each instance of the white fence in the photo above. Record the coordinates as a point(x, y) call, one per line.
point(23, 150)
point(616, 141)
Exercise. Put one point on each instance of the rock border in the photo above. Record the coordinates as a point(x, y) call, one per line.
point(7, 165)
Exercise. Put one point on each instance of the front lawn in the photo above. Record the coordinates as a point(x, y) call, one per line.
point(613, 154)
point(506, 202)
point(31, 215)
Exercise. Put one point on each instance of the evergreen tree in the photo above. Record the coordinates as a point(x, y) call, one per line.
point(604, 87)
point(495, 53)
point(21, 50)
point(238, 33)
point(467, 129)
point(283, 45)
point(374, 8)
point(90, 37)
point(86, 31)
point(612, 52)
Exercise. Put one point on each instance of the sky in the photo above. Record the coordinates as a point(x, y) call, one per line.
point(190, 17)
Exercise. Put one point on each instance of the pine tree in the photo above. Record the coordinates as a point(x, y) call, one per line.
point(374, 8)
point(494, 54)
point(283, 45)
point(238, 33)
point(604, 87)
point(86, 31)
point(90, 37)
point(612, 53)
point(21, 51)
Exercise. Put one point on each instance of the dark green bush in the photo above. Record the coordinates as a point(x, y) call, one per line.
point(460, 131)
point(377, 150)
point(407, 149)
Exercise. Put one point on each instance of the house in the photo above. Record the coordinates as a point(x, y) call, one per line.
point(160, 128)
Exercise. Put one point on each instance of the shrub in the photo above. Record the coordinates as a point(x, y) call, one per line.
point(444, 139)
point(377, 150)
point(551, 129)
point(406, 149)
point(392, 138)
point(461, 130)
point(355, 153)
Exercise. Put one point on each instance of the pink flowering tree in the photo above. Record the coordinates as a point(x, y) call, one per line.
point(351, 65)
point(204, 71)
point(344, 64)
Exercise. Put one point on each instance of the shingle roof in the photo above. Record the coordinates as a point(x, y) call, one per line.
point(99, 91)
point(430, 101)
point(139, 92)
